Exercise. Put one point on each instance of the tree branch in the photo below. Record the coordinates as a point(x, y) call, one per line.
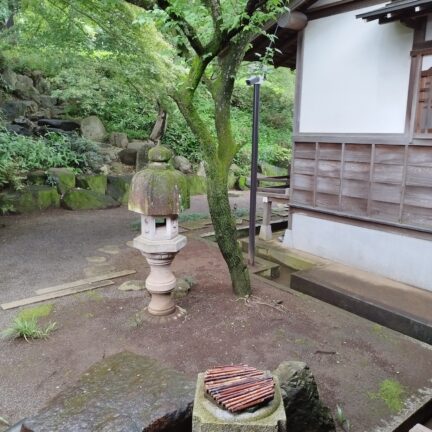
point(187, 29)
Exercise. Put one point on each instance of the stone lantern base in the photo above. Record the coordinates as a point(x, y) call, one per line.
point(208, 417)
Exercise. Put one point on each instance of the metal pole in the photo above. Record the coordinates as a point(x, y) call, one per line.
point(254, 170)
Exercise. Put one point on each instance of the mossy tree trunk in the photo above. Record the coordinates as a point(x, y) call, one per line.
point(213, 58)
point(219, 148)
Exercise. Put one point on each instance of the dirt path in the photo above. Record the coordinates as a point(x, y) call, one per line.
point(349, 356)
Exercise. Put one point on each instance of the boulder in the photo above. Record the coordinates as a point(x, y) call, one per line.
point(47, 101)
point(93, 129)
point(118, 187)
point(128, 156)
point(25, 89)
point(182, 288)
point(17, 108)
point(182, 164)
point(32, 198)
point(137, 144)
point(40, 82)
point(304, 410)
point(64, 178)
point(83, 199)
point(96, 182)
point(9, 78)
point(124, 392)
point(20, 130)
point(270, 170)
point(118, 139)
point(241, 183)
point(65, 125)
point(142, 158)
point(37, 177)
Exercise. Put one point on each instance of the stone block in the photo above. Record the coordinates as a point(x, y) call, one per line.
point(304, 409)
point(142, 157)
point(118, 139)
point(96, 182)
point(64, 178)
point(124, 392)
point(128, 156)
point(93, 129)
point(208, 417)
point(37, 177)
point(118, 187)
point(83, 199)
point(32, 198)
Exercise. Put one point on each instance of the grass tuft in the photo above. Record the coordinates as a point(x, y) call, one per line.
point(28, 329)
point(392, 393)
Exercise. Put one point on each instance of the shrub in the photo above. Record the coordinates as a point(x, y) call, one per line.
point(19, 155)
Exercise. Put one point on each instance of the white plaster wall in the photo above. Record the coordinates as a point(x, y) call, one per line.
point(402, 258)
point(355, 75)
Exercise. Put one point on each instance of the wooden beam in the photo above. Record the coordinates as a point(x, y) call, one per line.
point(86, 281)
point(50, 296)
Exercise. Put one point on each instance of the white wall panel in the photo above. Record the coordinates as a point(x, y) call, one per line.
point(398, 257)
point(355, 75)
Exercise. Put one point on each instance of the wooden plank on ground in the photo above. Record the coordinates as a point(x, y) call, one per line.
point(50, 296)
point(86, 281)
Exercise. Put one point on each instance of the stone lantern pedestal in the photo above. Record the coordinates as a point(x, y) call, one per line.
point(208, 416)
point(156, 193)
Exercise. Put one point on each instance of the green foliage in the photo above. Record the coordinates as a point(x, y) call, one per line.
point(193, 217)
point(7, 208)
point(392, 393)
point(28, 329)
point(20, 154)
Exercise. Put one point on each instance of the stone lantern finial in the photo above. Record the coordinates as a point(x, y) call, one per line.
point(157, 193)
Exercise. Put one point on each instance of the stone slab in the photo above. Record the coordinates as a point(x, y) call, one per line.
point(208, 417)
point(392, 304)
point(124, 392)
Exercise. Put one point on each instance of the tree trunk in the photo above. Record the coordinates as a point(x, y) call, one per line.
point(225, 229)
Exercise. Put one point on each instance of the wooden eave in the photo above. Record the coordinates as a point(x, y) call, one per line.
point(286, 41)
point(399, 10)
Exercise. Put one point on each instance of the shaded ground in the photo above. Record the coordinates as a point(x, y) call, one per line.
point(349, 356)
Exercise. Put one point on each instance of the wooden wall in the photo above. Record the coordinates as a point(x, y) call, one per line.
point(378, 182)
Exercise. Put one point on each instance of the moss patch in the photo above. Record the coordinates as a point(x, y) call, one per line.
point(36, 312)
point(392, 393)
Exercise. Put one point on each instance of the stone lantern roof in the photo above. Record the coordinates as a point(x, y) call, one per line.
point(159, 189)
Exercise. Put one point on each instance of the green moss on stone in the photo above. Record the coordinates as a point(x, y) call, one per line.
point(82, 199)
point(64, 178)
point(160, 154)
point(97, 183)
point(32, 198)
point(118, 188)
point(34, 313)
point(37, 177)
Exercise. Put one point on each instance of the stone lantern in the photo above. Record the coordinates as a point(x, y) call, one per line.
point(157, 193)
